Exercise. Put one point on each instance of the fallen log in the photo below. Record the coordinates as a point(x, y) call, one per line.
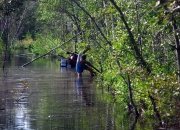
point(50, 50)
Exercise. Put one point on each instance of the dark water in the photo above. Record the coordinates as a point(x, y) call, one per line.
point(45, 96)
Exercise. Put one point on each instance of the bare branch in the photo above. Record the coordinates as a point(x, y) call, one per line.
point(177, 9)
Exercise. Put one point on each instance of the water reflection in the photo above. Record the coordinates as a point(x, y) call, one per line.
point(83, 92)
point(54, 99)
point(22, 118)
point(17, 110)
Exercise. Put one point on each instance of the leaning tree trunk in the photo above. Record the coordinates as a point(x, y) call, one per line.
point(98, 28)
point(133, 42)
point(50, 50)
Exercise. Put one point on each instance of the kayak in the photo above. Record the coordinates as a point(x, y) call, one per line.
point(65, 64)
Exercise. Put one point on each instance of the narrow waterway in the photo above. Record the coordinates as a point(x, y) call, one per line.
point(45, 96)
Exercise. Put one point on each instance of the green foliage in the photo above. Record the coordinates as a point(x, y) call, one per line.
point(44, 44)
point(8, 7)
point(155, 48)
point(1, 50)
point(1, 45)
point(58, 21)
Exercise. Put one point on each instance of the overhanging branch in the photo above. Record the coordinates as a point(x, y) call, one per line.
point(51, 50)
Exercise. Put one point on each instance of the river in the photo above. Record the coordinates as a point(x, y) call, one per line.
point(45, 96)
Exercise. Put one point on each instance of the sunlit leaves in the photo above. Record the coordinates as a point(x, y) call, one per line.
point(152, 33)
point(46, 10)
point(118, 60)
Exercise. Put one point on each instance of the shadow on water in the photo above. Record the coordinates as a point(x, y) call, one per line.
point(44, 96)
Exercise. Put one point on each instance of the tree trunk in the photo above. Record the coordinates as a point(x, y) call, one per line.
point(133, 42)
point(6, 34)
point(99, 29)
point(155, 109)
point(177, 42)
point(131, 96)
